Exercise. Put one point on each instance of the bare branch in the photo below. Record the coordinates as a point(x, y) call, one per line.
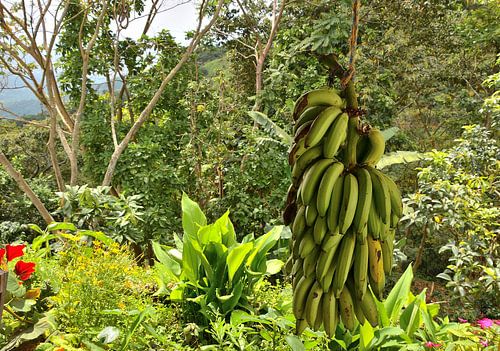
point(149, 108)
point(26, 188)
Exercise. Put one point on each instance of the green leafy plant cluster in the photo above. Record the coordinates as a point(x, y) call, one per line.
point(98, 210)
point(209, 267)
point(456, 210)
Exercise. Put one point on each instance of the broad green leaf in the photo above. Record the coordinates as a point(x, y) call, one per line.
point(165, 259)
point(411, 318)
point(231, 303)
point(274, 266)
point(209, 233)
point(190, 261)
point(192, 217)
point(235, 258)
point(398, 157)
point(13, 286)
point(61, 226)
point(203, 259)
point(36, 228)
point(270, 126)
point(366, 334)
point(295, 343)
point(262, 245)
point(40, 240)
point(398, 295)
point(22, 305)
point(389, 133)
point(177, 293)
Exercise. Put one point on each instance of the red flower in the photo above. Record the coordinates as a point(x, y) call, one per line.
point(2, 254)
point(24, 269)
point(14, 251)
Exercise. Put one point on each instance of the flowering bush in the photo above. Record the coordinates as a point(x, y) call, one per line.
point(19, 296)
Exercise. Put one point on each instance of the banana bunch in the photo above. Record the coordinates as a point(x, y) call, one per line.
point(342, 214)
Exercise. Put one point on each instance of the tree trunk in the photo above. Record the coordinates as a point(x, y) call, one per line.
point(26, 188)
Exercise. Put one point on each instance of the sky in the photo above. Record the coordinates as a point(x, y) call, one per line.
point(180, 18)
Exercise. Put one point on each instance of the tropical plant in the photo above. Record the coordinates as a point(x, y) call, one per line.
point(209, 267)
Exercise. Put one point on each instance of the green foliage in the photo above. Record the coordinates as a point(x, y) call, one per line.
point(210, 268)
point(96, 209)
point(457, 205)
point(25, 148)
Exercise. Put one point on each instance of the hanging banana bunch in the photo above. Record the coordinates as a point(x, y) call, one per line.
point(342, 211)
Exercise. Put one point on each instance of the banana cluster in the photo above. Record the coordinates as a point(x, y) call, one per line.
point(342, 215)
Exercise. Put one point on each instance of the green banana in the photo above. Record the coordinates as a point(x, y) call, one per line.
point(297, 277)
point(326, 283)
point(347, 314)
point(304, 161)
point(309, 264)
point(374, 224)
point(381, 195)
point(313, 303)
point(319, 317)
point(300, 295)
point(333, 212)
point(358, 312)
point(364, 201)
point(311, 180)
point(330, 315)
point(326, 185)
point(360, 272)
point(362, 148)
point(299, 223)
point(318, 97)
point(297, 265)
point(395, 195)
point(394, 221)
point(311, 213)
point(325, 258)
point(369, 308)
point(335, 136)
point(300, 326)
point(331, 241)
point(320, 229)
point(346, 252)
point(307, 245)
point(349, 202)
point(376, 148)
point(309, 114)
point(387, 251)
point(321, 124)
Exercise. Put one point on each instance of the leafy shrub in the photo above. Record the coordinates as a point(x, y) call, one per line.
point(210, 268)
point(96, 209)
point(457, 207)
